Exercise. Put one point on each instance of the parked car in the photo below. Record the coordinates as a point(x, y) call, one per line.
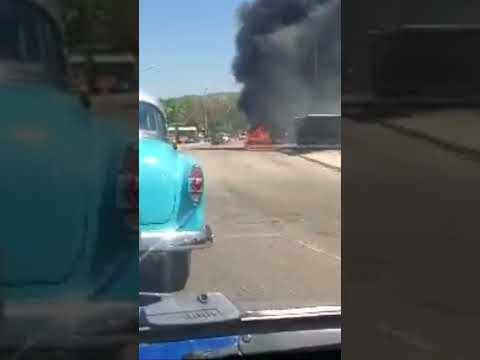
point(65, 245)
point(217, 139)
point(191, 140)
point(242, 136)
point(172, 204)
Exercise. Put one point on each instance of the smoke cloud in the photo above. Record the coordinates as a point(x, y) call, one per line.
point(288, 59)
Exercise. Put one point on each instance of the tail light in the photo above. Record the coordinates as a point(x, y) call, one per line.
point(196, 183)
point(127, 188)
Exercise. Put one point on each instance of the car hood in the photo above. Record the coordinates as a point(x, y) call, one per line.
point(159, 181)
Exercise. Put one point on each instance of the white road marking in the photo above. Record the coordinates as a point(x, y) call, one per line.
point(255, 235)
point(320, 251)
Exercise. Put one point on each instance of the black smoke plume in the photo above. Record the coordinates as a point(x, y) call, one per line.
point(288, 60)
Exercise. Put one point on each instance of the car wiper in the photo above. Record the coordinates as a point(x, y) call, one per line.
point(167, 318)
point(160, 312)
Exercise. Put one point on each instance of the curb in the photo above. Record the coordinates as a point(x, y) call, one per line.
point(212, 148)
point(272, 148)
point(327, 165)
point(443, 144)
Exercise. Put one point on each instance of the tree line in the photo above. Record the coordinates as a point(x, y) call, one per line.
point(217, 112)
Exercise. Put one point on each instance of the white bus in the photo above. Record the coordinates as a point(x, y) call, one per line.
point(183, 134)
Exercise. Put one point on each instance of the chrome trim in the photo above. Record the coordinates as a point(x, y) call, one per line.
point(151, 241)
point(316, 311)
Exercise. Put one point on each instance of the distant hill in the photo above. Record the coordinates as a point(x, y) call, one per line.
point(218, 95)
point(220, 108)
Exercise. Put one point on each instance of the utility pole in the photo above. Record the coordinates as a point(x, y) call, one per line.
point(148, 68)
point(205, 116)
point(315, 75)
point(230, 126)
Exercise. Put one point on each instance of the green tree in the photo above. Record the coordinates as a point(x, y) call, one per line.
point(221, 109)
point(193, 111)
point(175, 111)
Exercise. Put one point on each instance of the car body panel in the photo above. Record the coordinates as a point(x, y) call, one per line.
point(43, 160)
point(157, 158)
point(185, 214)
point(62, 211)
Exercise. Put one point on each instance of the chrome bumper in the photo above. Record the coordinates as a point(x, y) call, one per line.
point(175, 240)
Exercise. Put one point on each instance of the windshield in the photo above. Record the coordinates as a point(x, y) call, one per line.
point(30, 44)
point(261, 83)
point(151, 119)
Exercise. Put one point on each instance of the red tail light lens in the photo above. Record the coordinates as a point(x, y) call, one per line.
point(196, 183)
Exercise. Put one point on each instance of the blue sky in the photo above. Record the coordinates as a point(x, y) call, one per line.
point(190, 42)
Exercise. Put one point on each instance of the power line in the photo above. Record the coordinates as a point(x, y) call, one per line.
point(148, 68)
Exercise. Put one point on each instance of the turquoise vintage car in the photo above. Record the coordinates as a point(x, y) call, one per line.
point(172, 204)
point(68, 260)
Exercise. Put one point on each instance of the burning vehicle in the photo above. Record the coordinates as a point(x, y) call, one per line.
point(258, 136)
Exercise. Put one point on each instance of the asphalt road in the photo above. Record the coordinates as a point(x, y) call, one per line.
point(277, 223)
point(409, 245)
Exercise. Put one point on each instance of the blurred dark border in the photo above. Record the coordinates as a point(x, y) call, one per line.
point(410, 175)
point(91, 312)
